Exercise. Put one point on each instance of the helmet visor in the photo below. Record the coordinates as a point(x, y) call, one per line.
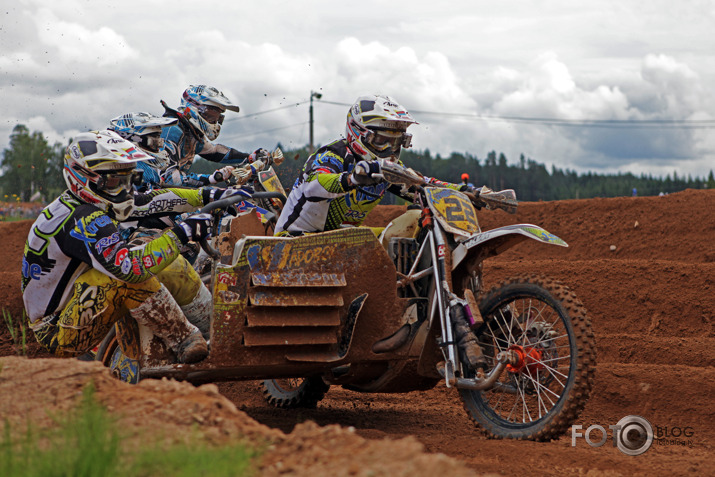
point(116, 182)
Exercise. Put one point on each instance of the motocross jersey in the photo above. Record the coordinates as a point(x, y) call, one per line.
point(151, 174)
point(70, 237)
point(182, 143)
point(322, 199)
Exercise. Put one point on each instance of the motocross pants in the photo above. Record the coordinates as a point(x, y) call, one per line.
point(99, 301)
point(96, 304)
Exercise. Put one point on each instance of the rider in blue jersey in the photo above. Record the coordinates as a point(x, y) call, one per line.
point(200, 117)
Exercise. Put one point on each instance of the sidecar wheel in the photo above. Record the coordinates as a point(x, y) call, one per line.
point(295, 393)
point(543, 322)
point(121, 366)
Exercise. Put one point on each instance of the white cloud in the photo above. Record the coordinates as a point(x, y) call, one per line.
point(66, 67)
point(76, 43)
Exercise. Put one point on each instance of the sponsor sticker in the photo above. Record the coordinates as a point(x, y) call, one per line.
point(106, 242)
point(136, 267)
point(121, 255)
point(226, 278)
point(148, 261)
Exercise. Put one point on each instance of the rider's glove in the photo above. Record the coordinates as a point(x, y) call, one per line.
point(259, 154)
point(194, 228)
point(478, 203)
point(364, 172)
point(221, 175)
point(475, 192)
point(243, 174)
point(212, 194)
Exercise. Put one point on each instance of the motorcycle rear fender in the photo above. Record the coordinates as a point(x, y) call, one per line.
point(496, 241)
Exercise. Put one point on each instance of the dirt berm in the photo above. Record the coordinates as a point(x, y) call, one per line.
point(644, 268)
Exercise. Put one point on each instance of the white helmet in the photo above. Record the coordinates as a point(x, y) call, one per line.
point(204, 106)
point(144, 130)
point(376, 128)
point(99, 170)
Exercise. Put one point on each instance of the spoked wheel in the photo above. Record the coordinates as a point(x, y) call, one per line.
point(544, 327)
point(294, 393)
point(110, 354)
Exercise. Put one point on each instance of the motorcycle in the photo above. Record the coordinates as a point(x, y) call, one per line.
point(375, 313)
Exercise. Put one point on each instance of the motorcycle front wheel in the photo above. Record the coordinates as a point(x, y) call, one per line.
point(295, 393)
point(121, 366)
point(543, 325)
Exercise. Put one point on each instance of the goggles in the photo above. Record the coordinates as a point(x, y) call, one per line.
point(212, 114)
point(113, 183)
point(154, 142)
point(387, 143)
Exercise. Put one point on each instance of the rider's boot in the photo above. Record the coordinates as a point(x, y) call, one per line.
point(199, 311)
point(163, 316)
point(469, 349)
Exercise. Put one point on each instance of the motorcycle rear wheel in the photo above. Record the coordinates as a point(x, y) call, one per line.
point(546, 325)
point(295, 393)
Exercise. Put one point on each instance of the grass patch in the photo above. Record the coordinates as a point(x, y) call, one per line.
point(86, 443)
point(194, 460)
point(18, 332)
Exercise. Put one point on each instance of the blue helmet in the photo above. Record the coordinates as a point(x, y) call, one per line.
point(144, 130)
point(204, 106)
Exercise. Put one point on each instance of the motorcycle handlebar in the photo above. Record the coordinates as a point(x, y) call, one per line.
point(227, 202)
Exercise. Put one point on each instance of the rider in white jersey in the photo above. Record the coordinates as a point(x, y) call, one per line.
point(336, 186)
point(79, 276)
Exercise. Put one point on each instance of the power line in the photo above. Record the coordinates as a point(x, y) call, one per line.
point(597, 123)
point(244, 116)
point(602, 123)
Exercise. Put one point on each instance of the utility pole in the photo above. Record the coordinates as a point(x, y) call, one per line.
point(315, 95)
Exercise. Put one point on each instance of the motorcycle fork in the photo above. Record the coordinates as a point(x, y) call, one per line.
point(439, 250)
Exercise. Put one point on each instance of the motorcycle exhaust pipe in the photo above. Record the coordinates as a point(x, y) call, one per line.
point(481, 384)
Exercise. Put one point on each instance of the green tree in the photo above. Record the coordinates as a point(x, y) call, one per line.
point(31, 165)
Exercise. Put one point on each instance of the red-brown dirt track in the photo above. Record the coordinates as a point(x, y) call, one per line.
point(644, 267)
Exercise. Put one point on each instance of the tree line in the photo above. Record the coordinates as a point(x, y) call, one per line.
point(31, 168)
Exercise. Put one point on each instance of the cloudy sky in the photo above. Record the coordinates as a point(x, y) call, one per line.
point(601, 86)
